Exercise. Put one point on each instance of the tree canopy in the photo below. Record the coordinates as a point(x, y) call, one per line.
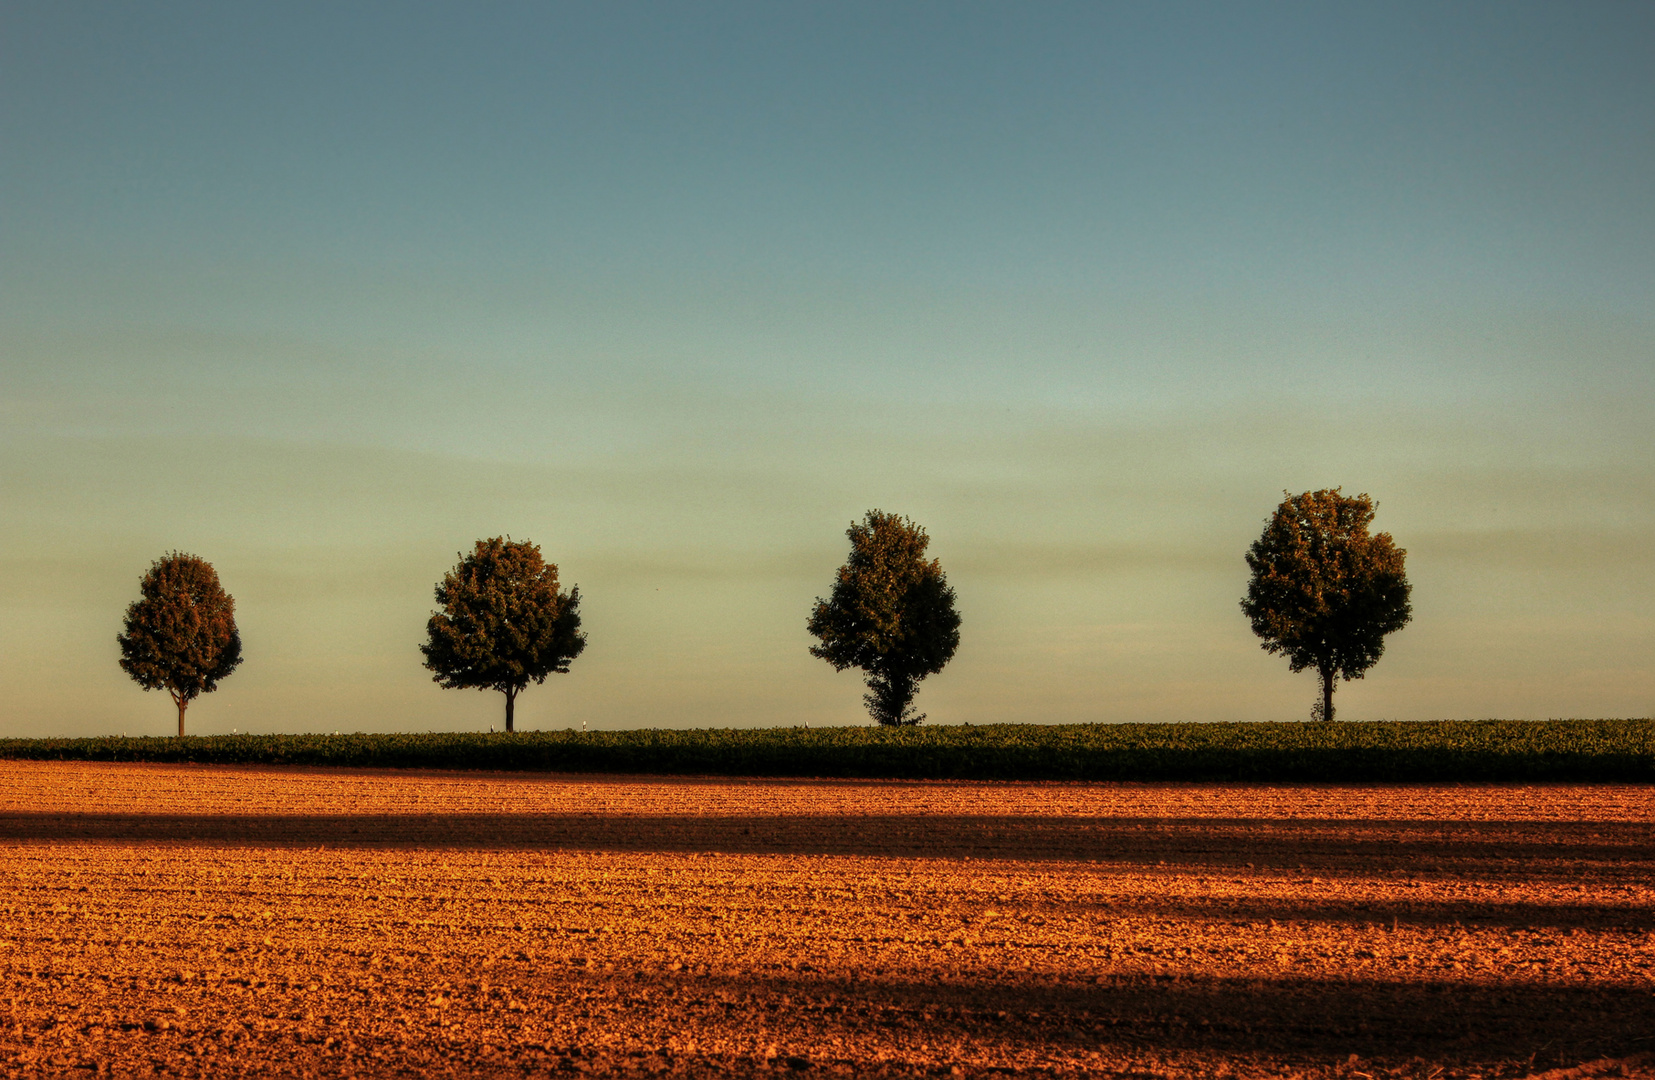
point(503, 623)
point(1324, 592)
point(180, 635)
point(891, 615)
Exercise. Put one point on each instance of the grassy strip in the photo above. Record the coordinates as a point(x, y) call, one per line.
point(1445, 750)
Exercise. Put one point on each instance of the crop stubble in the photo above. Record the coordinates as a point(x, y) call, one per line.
point(211, 921)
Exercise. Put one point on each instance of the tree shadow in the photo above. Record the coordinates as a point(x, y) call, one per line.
point(1556, 853)
point(1381, 914)
point(1305, 1021)
point(1494, 850)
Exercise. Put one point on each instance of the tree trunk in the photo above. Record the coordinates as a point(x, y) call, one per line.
point(1328, 677)
point(888, 700)
point(183, 703)
point(511, 701)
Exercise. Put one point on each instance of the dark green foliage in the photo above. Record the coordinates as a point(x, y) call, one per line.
point(1442, 751)
point(180, 635)
point(1324, 593)
point(891, 615)
point(503, 624)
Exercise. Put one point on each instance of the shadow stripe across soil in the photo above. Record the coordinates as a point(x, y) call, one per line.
point(1494, 847)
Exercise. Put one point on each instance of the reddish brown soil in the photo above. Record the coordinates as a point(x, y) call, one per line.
point(213, 922)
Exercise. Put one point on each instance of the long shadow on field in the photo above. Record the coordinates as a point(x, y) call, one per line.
point(1494, 850)
point(1306, 1019)
point(1379, 915)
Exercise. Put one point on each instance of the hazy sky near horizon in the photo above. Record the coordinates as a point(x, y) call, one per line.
point(323, 293)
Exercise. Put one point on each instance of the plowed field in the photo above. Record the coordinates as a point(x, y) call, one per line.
point(219, 921)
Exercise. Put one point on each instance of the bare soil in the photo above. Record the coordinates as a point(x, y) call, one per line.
point(201, 921)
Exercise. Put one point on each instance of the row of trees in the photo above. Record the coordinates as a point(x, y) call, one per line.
point(1324, 593)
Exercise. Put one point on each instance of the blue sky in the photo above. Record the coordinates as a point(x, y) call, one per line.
point(324, 294)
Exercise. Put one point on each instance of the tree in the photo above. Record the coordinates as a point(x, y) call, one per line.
point(503, 623)
point(891, 615)
point(180, 635)
point(1324, 593)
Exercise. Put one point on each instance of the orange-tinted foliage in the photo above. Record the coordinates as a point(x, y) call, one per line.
point(287, 921)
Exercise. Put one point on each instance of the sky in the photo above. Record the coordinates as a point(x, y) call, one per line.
point(324, 293)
